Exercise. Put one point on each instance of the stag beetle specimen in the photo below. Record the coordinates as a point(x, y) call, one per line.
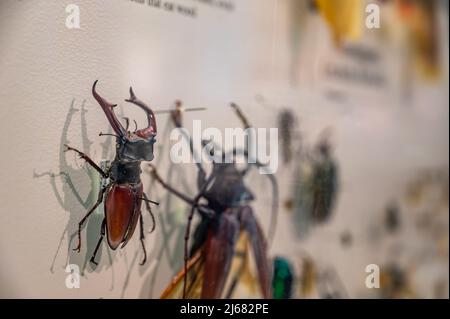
point(124, 190)
point(226, 215)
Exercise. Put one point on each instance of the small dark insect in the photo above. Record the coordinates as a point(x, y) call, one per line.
point(225, 217)
point(346, 238)
point(395, 282)
point(392, 217)
point(287, 123)
point(324, 183)
point(124, 190)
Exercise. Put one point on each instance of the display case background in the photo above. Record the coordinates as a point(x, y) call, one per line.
point(381, 140)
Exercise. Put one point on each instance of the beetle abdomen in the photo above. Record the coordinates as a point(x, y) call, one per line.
point(122, 209)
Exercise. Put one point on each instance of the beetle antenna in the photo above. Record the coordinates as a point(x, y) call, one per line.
point(135, 125)
point(108, 134)
point(148, 200)
point(127, 121)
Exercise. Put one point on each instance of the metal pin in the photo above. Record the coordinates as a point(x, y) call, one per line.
point(182, 110)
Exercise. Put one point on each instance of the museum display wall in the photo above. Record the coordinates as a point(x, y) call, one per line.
point(362, 140)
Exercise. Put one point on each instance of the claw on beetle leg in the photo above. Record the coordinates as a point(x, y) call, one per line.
point(142, 238)
point(93, 261)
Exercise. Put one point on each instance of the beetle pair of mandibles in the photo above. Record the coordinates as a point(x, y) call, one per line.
point(225, 215)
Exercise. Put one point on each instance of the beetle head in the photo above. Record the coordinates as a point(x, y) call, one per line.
point(132, 146)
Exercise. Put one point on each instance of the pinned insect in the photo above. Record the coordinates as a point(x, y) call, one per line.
point(226, 218)
point(287, 123)
point(318, 280)
point(283, 278)
point(392, 217)
point(176, 113)
point(124, 190)
point(316, 186)
point(325, 182)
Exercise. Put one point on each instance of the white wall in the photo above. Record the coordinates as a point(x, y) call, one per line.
point(209, 60)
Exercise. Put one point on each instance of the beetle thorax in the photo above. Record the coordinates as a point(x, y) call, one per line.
point(126, 171)
point(228, 189)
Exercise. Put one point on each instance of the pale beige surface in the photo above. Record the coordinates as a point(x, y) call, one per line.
point(207, 61)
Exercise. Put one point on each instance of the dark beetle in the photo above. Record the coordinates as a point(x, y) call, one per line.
point(287, 123)
point(324, 182)
point(124, 191)
point(283, 278)
point(226, 215)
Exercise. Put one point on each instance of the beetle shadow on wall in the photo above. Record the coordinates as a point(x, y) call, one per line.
point(169, 241)
point(76, 181)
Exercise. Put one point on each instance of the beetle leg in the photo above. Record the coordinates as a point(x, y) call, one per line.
point(188, 227)
point(219, 251)
point(147, 205)
point(203, 209)
point(259, 246)
point(99, 242)
point(241, 115)
point(200, 235)
point(275, 197)
point(201, 171)
point(186, 242)
point(127, 122)
point(99, 201)
point(142, 237)
point(87, 159)
point(156, 176)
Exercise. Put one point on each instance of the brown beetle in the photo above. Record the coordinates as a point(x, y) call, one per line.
point(124, 190)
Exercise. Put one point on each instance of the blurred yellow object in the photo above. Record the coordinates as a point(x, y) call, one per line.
point(194, 280)
point(420, 19)
point(345, 18)
point(240, 274)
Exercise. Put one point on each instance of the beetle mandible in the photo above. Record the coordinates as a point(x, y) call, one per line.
point(123, 189)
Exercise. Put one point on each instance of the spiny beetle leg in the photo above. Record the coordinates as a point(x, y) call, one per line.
point(99, 242)
point(147, 205)
point(87, 159)
point(171, 189)
point(142, 237)
point(80, 224)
